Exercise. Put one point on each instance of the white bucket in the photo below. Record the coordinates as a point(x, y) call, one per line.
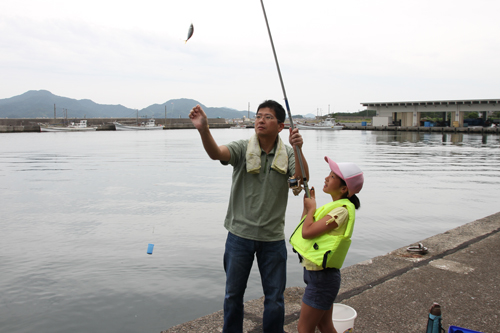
point(343, 318)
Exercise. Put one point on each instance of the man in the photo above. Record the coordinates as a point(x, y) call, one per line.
point(255, 216)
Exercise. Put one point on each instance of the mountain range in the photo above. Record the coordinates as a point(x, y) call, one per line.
point(41, 104)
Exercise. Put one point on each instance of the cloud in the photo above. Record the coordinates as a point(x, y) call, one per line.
point(331, 53)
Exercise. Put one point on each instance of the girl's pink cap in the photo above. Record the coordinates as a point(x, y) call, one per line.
point(350, 173)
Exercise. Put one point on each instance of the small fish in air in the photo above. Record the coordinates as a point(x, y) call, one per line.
point(190, 33)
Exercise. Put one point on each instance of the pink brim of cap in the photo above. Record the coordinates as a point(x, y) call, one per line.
point(350, 173)
point(334, 167)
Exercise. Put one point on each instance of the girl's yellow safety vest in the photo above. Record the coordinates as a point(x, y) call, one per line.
point(327, 251)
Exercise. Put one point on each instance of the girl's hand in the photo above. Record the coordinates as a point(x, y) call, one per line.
point(310, 203)
point(312, 192)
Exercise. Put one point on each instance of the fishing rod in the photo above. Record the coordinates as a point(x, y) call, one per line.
point(297, 148)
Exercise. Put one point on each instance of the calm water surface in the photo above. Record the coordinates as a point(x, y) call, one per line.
point(79, 209)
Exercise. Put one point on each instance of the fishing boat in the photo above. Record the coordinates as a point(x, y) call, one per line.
point(72, 127)
point(327, 124)
point(149, 125)
point(238, 126)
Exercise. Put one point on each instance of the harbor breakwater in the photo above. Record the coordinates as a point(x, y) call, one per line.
point(102, 124)
point(474, 129)
point(106, 124)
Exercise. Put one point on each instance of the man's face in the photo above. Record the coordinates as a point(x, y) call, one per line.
point(266, 123)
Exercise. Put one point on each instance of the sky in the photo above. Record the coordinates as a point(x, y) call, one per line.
point(333, 55)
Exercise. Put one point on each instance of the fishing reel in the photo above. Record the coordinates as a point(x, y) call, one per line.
point(294, 185)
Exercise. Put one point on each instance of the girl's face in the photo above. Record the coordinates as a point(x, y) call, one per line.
point(333, 185)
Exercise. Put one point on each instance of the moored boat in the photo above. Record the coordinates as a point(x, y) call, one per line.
point(238, 126)
point(149, 125)
point(327, 124)
point(72, 127)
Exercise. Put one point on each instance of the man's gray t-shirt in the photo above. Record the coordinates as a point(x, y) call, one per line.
point(258, 202)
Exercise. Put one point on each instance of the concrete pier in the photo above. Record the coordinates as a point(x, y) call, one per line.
point(102, 124)
point(393, 292)
point(106, 124)
point(485, 130)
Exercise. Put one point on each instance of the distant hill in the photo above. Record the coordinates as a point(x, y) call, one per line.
point(363, 113)
point(180, 108)
point(40, 104)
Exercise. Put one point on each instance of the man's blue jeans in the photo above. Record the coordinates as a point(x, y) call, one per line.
point(238, 260)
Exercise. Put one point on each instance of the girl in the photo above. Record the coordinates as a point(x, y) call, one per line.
point(322, 240)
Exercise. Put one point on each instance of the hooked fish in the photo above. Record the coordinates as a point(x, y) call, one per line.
point(190, 32)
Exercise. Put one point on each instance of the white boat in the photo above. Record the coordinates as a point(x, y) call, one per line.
point(72, 127)
point(327, 124)
point(149, 125)
point(238, 126)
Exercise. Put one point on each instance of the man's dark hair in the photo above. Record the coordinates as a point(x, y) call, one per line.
point(276, 107)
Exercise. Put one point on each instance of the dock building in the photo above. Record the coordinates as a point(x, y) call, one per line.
point(408, 113)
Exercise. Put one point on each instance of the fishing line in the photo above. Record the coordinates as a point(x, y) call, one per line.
point(298, 150)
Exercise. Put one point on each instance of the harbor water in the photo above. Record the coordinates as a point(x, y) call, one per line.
point(79, 210)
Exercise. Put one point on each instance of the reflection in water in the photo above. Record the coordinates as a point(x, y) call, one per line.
point(453, 138)
point(79, 209)
point(394, 137)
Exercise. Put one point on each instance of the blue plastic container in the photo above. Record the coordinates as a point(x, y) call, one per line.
point(363, 123)
point(150, 248)
point(456, 329)
point(427, 124)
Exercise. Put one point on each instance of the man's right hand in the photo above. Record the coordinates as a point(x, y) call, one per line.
point(198, 118)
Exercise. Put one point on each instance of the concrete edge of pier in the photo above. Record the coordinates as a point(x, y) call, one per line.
point(393, 292)
point(172, 124)
point(472, 129)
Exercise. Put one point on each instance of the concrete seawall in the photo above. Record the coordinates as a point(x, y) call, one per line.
point(486, 130)
point(106, 124)
point(393, 292)
point(102, 124)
